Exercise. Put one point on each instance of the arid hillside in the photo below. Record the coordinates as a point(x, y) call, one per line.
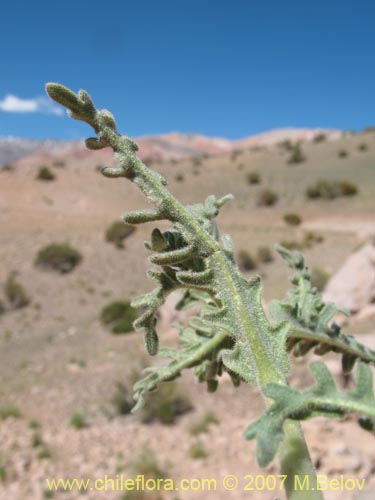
point(58, 360)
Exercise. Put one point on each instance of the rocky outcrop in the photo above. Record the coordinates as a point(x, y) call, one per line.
point(353, 286)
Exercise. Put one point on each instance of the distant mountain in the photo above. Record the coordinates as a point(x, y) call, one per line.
point(14, 148)
point(172, 145)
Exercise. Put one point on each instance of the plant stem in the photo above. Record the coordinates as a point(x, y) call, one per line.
point(296, 464)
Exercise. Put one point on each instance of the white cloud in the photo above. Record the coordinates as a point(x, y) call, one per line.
point(14, 104)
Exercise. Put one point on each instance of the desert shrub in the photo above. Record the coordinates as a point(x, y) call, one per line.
point(45, 174)
point(165, 405)
point(203, 423)
point(320, 137)
point(15, 293)
point(253, 177)
point(292, 219)
point(44, 453)
point(342, 153)
point(329, 190)
point(287, 145)
point(292, 244)
point(34, 424)
point(122, 400)
point(60, 257)
point(348, 188)
point(36, 440)
point(362, 147)
point(311, 238)
point(297, 155)
point(196, 161)
point(2, 307)
point(78, 421)
point(145, 464)
point(117, 232)
point(267, 198)
point(8, 167)
point(264, 254)
point(3, 474)
point(197, 450)
point(119, 315)
point(9, 412)
point(180, 178)
point(245, 261)
point(319, 278)
point(234, 154)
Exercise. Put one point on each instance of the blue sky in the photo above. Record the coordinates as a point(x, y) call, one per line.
point(221, 68)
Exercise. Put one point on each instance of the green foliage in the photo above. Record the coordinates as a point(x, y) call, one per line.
point(180, 178)
point(297, 155)
point(119, 315)
point(60, 257)
point(245, 261)
point(9, 412)
point(329, 190)
point(165, 405)
point(309, 239)
point(319, 278)
point(202, 424)
point(265, 255)
point(78, 421)
point(323, 399)
point(292, 219)
point(117, 232)
point(36, 440)
point(342, 153)
point(34, 424)
point(320, 137)
point(267, 198)
point(3, 474)
point(145, 464)
point(15, 293)
point(44, 453)
point(122, 399)
point(253, 177)
point(45, 174)
point(310, 318)
point(197, 451)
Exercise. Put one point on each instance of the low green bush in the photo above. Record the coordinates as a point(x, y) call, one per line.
point(9, 412)
point(342, 153)
point(297, 155)
point(202, 424)
point(319, 278)
point(60, 257)
point(165, 404)
point(267, 198)
point(78, 421)
point(117, 232)
point(264, 255)
point(45, 174)
point(119, 315)
point(197, 451)
point(329, 190)
point(253, 177)
point(363, 146)
point(15, 293)
point(122, 400)
point(292, 219)
point(180, 178)
point(245, 261)
point(320, 137)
